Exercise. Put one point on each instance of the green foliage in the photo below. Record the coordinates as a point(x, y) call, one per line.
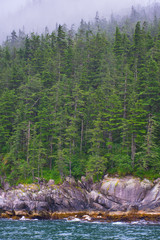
point(149, 174)
point(97, 165)
point(148, 157)
point(122, 164)
point(118, 43)
point(52, 174)
point(85, 102)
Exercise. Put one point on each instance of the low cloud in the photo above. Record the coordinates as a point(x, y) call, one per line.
point(35, 15)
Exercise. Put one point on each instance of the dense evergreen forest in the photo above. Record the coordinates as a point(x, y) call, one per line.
point(85, 101)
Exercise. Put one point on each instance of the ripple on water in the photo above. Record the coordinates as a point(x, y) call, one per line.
point(64, 230)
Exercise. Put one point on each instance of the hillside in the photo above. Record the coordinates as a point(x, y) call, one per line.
point(85, 101)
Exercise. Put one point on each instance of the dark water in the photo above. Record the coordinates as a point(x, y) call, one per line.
point(63, 230)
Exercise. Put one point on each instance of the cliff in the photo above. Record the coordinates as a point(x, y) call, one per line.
point(47, 200)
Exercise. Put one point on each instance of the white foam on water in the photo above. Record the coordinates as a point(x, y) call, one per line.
point(74, 220)
point(65, 234)
point(23, 218)
point(119, 223)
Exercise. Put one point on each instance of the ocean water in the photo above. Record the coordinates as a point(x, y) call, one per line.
point(78, 230)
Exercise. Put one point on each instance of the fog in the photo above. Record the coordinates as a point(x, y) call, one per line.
point(35, 15)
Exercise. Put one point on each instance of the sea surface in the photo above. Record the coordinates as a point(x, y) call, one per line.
point(77, 230)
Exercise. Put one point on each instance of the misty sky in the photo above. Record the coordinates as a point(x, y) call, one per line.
point(34, 15)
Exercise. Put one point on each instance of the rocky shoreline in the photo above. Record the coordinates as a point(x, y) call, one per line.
point(113, 199)
point(89, 216)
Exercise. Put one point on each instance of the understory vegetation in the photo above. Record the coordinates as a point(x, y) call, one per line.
point(85, 101)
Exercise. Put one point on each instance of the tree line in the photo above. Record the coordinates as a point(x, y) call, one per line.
point(80, 102)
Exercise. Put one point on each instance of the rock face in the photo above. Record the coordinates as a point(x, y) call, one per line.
point(112, 194)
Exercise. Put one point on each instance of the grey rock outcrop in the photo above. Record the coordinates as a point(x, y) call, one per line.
point(112, 194)
point(121, 193)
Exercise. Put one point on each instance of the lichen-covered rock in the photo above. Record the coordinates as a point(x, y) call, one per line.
point(71, 180)
point(125, 191)
point(50, 182)
point(113, 194)
point(87, 183)
point(152, 198)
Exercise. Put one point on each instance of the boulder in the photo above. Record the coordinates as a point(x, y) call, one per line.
point(50, 182)
point(6, 186)
point(126, 190)
point(87, 183)
point(152, 198)
point(71, 180)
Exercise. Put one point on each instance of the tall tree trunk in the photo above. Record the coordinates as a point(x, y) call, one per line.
point(51, 149)
point(135, 75)
point(125, 110)
point(110, 140)
point(33, 175)
point(59, 78)
point(75, 116)
point(38, 167)
point(60, 158)
point(149, 133)
point(70, 168)
point(82, 129)
point(70, 163)
point(28, 140)
point(133, 148)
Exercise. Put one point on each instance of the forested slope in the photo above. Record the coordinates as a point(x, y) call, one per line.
point(81, 102)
